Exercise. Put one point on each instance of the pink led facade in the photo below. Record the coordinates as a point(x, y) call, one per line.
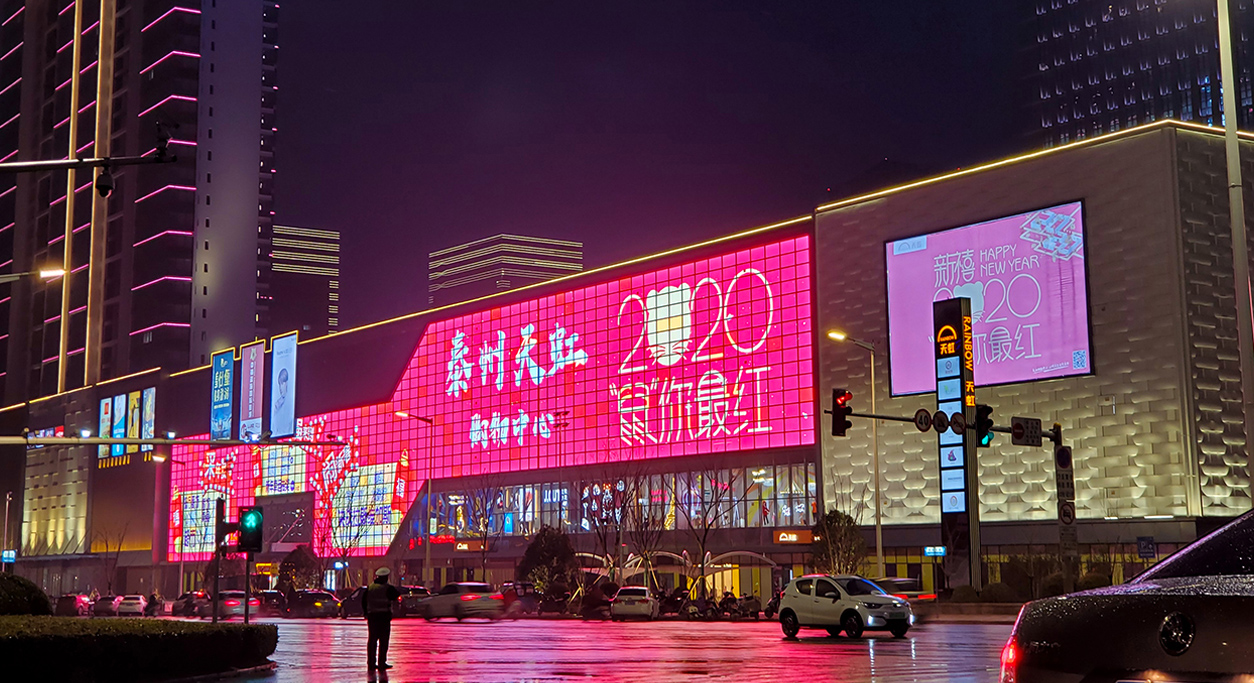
point(710, 356)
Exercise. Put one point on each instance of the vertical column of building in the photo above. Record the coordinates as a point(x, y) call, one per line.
point(269, 130)
point(12, 42)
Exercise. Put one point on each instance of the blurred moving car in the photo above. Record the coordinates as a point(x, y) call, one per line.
point(1185, 619)
point(273, 603)
point(633, 601)
point(464, 600)
point(132, 606)
point(411, 601)
point(842, 603)
point(229, 604)
point(189, 604)
point(311, 604)
point(105, 606)
point(73, 605)
point(904, 588)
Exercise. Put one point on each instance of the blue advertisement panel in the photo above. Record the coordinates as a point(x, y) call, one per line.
point(150, 414)
point(220, 405)
point(119, 423)
point(283, 386)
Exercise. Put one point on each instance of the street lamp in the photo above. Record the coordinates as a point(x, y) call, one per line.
point(160, 458)
point(1236, 216)
point(45, 274)
point(837, 335)
point(426, 505)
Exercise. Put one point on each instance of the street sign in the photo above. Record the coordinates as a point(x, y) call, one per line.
point(934, 551)
point(1025, 431)
point(940, 422)
point(958, 424)
point(1062, 458)
point(1064, 476)
point(8, 556)
point(1146, 549)
point(1066, 512)
point(794, 537)
point(1068, 539)
point(922, 420)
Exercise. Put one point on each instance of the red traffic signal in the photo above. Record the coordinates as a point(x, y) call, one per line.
point(841, 411)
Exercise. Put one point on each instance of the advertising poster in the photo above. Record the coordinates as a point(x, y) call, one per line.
point(1026, 280)
point(283, 386)
point(105, 427)
point(252, 368)
point(148, 427)
point(119, 423)
point(133, 415)
point(222, 380)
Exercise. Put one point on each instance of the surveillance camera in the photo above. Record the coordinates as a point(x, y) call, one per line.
point(104, 182)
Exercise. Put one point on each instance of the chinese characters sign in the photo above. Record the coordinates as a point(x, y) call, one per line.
point(1025, 277)
point(220, 405)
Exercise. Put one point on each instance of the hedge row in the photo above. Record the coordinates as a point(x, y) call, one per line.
point(107, 650)
point(19, 595)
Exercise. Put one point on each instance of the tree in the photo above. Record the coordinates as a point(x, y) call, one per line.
point(358, 504)
point(645, 515)
point(549, 562)
point(606, 515)
point(704, 501)
point(838, 546)
point(108, 541)
point(486, 522)
point(300, 569)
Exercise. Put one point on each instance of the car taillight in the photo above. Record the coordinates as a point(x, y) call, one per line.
point(1009, 661)
point(254, 601)
point(900, 596)
point(232, 603)
point(497, 596)
point(928, 596)
point(470, 596)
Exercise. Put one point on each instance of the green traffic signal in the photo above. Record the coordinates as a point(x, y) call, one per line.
point(251, 520)
point(984, 433)
point(250, 529)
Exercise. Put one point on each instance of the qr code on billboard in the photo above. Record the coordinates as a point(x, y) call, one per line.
point(1079, 360)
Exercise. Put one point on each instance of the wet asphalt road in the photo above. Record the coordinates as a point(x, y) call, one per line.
point(333, 651)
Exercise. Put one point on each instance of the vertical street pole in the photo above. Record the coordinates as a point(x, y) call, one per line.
point(100, 205)
point(220, 520)
point(67, 259)
point(8, 496)
point(875, 463)
point(248, 583)
point(1236, 208)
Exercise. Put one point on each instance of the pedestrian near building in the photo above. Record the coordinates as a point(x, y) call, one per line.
point(376, 604)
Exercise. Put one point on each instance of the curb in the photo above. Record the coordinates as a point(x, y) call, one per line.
point(227, 675)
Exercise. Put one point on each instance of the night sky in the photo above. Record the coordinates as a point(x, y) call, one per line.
point(632, 126)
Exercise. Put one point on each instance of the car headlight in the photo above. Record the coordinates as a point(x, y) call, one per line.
point(870, 605)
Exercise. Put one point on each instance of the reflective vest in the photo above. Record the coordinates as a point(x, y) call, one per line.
point(377, 599)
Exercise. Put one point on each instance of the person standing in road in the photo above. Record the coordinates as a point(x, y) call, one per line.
point(376, 604)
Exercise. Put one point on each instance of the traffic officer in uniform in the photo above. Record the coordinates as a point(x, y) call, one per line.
point(376, 604)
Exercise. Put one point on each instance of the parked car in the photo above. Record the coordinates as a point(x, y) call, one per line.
point(311, 604)
point(73, 605)
point(905, 588)
point(1187, 618)
point(273, 603)
point(411, 601)
point(633, 601)
point(842, 603)
point(464, 600)
point(132, 606)
point(189, 604)
point(105, 606)
point(229, 604)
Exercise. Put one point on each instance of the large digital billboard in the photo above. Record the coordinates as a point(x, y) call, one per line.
point(283, 386)
point(1027, 283)
point(709, 356)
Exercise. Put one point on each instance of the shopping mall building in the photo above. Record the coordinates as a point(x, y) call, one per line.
point(683, 393)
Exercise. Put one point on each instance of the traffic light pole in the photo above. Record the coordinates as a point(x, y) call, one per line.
point(248, 583)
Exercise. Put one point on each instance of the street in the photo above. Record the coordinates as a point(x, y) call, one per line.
point(333, 651)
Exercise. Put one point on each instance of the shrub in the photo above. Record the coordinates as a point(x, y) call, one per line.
point(1052, 585)
point(964, 594)
point(103, 651)
point(1093, 580)
point(21, 596)
point(999, 592)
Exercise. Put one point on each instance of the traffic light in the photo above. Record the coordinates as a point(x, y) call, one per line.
point(841, 411)
point(984, 425)
point(250, 529)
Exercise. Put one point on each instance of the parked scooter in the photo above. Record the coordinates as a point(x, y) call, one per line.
point(748, 607)
point(772, 606)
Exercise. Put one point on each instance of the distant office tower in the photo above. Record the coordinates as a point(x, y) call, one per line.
point(1103, 65)
point(186, 262)
point(305, 281)
point(497, 263)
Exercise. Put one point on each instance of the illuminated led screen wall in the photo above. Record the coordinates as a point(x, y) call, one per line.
point(1026, 280)
point(710, 356)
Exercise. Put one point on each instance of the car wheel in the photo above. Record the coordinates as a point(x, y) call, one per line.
point(899, 628)
point(426, 614)
point(788, 622)
point(833, 631)
point(460, 614)
point(852, 624)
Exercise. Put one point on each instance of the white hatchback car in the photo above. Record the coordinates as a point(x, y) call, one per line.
point(842, 603)
point(462, 601)
point(633, 601)
point(133, 605)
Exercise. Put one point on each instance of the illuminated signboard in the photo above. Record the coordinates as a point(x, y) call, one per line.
point(283, 386)
point(252, 376)
point(709, 356)
point(131, 416)
point(149, 422)
point(223, 385)
point(1026, 280)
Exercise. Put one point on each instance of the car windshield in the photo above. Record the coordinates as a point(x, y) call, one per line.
point(1227, 551)
point(859, 587)
point(476, 588)
point(633, 593)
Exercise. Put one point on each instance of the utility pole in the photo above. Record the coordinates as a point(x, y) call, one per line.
point(70, 180)
point(100, 204)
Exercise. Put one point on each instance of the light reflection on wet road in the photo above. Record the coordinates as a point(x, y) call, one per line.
point(333, 651)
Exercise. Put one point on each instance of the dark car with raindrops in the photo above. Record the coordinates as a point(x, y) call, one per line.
point(1188, 619)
